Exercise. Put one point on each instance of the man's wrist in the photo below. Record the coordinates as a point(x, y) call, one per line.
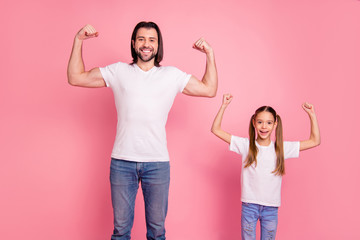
point(78, 38)
point(210, 53)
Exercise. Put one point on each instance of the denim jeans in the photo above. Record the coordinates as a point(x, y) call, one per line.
point(155, 179)
point(268, 216)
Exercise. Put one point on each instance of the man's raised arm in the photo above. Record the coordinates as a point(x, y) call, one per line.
point(207, 87)
point(77, 76)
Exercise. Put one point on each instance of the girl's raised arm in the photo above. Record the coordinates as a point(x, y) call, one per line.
point(216, 126)
point(314, 139)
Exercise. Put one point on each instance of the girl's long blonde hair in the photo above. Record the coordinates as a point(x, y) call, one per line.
point(279, 143)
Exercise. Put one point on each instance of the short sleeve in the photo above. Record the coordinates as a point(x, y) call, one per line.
point(291, 149)
point(185, 82)
point(109, 73)
point(239, 145)
point(182, 78)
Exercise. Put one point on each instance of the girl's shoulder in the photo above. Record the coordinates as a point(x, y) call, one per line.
point(239, 145)
point(238, 139)
point(291, 149)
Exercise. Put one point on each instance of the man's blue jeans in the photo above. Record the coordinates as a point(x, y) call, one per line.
point(268, 216)
point(124, 178)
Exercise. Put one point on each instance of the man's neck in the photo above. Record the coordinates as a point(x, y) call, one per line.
point(145, 66)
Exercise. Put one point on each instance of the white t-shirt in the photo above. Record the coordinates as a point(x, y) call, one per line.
point(258, 184)
point(143, 101)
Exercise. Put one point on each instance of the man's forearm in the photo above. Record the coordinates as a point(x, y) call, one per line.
point(210, 78)
point(76, 63)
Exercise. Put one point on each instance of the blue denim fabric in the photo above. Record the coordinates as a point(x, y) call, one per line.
point(155, 179)
point(268, 216)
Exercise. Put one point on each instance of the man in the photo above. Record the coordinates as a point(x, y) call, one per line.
point(144, 92)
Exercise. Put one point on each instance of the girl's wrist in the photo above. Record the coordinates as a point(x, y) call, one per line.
point(312, 115)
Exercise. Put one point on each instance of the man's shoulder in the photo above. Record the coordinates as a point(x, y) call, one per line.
point(119, 66)
point(169, 69)
point(122, 64)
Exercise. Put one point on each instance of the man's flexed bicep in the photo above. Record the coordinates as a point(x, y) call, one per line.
point(77, 76)
point(91, 79)
point(197, 88)
point(207, 87)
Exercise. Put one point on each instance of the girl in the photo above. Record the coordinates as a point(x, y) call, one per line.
point(263, 165)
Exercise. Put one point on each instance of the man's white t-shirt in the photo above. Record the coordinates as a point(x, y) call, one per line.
point(258, 184)
point(143, 101)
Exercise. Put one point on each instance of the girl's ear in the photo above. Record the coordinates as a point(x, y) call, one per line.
point(253, 122)
point(275, 123)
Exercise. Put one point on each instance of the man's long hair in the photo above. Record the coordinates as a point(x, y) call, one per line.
point(159, 55)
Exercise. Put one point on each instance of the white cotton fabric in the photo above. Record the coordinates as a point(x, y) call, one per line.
point(258, 184)
point(143, 101)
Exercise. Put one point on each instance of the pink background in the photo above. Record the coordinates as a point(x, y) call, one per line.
point(56, 140)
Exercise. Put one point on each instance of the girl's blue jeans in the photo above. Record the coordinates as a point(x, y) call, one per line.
point(124, 178)
point(251, 213)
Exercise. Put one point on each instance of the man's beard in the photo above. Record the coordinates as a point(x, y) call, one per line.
point(138, 53)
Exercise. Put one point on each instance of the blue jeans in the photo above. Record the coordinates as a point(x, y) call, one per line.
point(268, 216)
point(155, 179)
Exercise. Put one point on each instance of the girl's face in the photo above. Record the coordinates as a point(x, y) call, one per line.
point(264, 124)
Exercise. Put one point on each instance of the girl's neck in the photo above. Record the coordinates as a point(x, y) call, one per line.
point(263, 142)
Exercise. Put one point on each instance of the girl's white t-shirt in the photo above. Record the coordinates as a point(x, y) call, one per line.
point(258, 184)
point(143, 101)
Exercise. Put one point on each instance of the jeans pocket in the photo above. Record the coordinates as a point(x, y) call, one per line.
point(122, 172)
